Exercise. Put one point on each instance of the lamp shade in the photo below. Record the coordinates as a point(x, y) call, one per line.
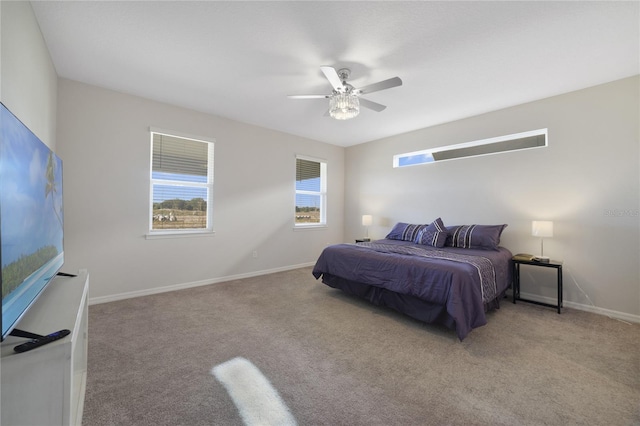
point(367, 220)
point(542, 228)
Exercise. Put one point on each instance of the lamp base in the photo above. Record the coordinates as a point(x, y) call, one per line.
point(541, 259)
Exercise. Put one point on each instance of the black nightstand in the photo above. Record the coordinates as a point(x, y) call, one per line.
point(516, 280)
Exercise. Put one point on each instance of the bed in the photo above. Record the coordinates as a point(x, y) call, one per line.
point(436, 274)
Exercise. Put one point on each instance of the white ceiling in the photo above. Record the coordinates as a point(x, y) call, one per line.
point(241, 59)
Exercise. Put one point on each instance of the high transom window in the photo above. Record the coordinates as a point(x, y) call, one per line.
point(516, 142)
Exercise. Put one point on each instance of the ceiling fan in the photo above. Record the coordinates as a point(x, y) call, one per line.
point(345, 100)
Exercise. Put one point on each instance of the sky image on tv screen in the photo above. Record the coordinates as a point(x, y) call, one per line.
point(31, 216)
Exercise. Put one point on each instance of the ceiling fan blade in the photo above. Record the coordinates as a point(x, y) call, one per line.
point(307, 96)
point(332, 76)
point(381, 85)
point(371, 105)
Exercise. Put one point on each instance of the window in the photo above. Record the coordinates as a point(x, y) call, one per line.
point(311, 192)
point(526, 140)
point(181, 184)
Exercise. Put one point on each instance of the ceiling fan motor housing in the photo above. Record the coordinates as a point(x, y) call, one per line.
point(344, 74)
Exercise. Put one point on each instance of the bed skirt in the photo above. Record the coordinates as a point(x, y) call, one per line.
point(406, 304)
point(414, 307)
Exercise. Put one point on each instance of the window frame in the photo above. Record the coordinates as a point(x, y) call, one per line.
point(322, 193)
point(209, 185)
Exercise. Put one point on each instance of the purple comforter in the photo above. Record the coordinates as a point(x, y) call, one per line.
point(464, 281)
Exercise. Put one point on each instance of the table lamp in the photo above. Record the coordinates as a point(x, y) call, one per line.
point(367, 220)
point(542, 228)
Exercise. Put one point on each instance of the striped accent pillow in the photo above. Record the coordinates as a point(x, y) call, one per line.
point(485, 237)
point(433, 235)
point(405, 232)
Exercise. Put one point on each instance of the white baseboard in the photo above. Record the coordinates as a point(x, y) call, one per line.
point(147, 292)
point(623, 316)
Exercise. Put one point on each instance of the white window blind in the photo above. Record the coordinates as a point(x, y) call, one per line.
point(181, 183)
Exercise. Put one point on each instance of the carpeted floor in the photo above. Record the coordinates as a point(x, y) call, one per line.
point(336, 360)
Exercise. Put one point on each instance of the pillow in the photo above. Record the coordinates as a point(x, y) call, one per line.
point(433, 235)
point(484, 237)
point(405, 232)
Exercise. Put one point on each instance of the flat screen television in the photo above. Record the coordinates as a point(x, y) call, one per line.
point(31, 218)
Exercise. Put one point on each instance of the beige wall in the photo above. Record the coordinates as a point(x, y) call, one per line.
point(586, 181)
point(103, 137)
point(28, 80)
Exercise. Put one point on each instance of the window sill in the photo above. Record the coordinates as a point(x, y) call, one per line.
point(178, 234)
point(309, 227)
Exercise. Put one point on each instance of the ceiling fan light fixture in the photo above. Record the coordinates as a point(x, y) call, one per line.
point(343, 106)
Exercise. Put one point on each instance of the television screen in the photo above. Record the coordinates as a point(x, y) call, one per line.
point(31, 218)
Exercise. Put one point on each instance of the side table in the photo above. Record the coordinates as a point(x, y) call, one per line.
point(516, 280)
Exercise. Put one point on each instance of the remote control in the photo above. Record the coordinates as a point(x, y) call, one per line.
point(32, 344)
